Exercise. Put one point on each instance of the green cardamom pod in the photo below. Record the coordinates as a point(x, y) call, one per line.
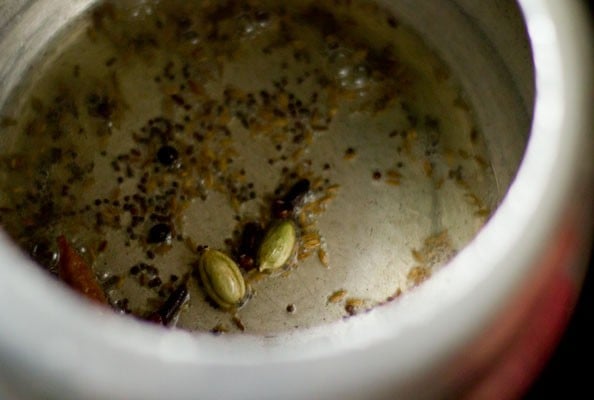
point(277, 246)
point(221, 278)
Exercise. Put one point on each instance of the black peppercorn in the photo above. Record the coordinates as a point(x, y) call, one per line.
point(159, 233)
point(167, 155)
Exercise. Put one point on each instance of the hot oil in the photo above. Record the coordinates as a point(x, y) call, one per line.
point(153, 130)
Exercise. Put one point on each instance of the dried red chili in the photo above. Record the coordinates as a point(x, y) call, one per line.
point(76, 273)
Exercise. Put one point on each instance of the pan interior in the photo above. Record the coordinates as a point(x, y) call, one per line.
point(252, 98)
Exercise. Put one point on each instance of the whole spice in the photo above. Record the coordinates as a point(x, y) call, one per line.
point(248, 246)
point(296, 192)
point(167, 155)
point(77, 274)
point(222, 279)
point(283, 207)
point(337, 296)
point(187, 154)
point(159, 233)
point(277, 246)
point(167, 312)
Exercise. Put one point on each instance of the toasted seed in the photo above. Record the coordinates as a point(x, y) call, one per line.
point(238, 323)
point(352, 305)
point(337, 296)
point(221, 278)
point(277, 246)
point(323, 257)
point(355, 302)
point(310, 240)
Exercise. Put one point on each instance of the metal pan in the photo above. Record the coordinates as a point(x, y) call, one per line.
point(406, 330)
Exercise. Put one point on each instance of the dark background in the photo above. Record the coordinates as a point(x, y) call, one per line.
point(570, 374)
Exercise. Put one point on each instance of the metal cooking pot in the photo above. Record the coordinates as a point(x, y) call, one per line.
point(526, 68)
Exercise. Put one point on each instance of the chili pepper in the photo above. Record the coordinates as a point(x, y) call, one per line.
point(76, 273)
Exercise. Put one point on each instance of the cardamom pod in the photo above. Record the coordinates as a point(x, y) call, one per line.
point(277, 246)
point(221, 278)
